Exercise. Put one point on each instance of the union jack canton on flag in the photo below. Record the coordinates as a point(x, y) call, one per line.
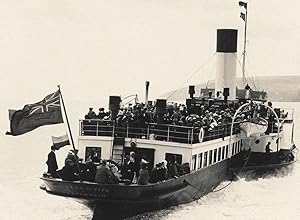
point(32, 116)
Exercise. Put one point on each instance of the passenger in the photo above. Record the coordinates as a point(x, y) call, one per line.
point(91, 114)
point(184, 169)
point(154, 175)
point(90, 170)
point(247, 87)
point(52, 163)
point(163, 171)
point(69, 172)
point(268, 150)
point(143, 178)
point(101, 113)
point(102, 173)
point(72, 155)
point(126, 174)
point(132, 167)
point(173, 170)
point(114, 177)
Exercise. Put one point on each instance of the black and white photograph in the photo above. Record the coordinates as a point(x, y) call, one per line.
point(147, 109)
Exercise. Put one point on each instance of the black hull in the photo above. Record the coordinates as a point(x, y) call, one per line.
point(121, 201)
point(260, 161)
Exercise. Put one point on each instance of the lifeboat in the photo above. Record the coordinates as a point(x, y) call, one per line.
point(254, 126)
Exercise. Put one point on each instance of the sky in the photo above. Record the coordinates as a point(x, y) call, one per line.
point(98, 48)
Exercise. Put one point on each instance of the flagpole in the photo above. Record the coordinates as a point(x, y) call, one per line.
point(71, 136)
point(244, 52)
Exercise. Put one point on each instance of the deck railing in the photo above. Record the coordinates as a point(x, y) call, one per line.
point(173, 133)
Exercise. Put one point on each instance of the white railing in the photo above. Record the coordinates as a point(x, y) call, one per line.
point(172, 133)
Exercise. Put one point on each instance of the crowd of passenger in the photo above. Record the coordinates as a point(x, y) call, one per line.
point(175, 114)
point(207, 116)
point(133, 171)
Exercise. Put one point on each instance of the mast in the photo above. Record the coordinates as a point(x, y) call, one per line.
point(244, 17)
point(70, 133)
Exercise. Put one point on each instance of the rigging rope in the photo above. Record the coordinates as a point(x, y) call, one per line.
point(192, 74)
point(248, 78)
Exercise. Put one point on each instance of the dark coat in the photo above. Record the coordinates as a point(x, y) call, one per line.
point(68, 173)
point(89, 172)
point(51, 162)
point(132, 168)
point(102, 174)
point(143, 178)
point(173, 170)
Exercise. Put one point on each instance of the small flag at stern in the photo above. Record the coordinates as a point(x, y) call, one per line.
point(59, 142)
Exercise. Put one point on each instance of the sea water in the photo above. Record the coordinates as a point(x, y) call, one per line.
point(22, 162)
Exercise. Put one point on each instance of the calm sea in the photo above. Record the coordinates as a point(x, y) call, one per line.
point(22, 162)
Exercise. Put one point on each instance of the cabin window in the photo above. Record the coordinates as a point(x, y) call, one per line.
point(205, 159)
point(215, 155)
point(219, 153)
point(223, 152)
point(210, 157)
point(199, 161)
point(178, 157)
point(93, 153)
point(227, 150)
point(194, 158)
point(233, 145)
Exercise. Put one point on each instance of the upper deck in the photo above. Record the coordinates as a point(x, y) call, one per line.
point(169, 132)
point(153, 131)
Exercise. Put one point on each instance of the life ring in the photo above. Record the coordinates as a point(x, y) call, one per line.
point(201, 135)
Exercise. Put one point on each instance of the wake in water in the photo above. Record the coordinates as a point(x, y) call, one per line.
point(252, 175)
point(250, 197)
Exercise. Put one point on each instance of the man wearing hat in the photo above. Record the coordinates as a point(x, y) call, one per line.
point(91, 114)
point(51, 162)
point(101, 113)
point(72, 155)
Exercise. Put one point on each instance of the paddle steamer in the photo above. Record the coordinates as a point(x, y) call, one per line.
point(214, 155)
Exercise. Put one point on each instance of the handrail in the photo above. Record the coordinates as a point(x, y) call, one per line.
point(172, 133)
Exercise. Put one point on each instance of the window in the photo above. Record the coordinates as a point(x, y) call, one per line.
point(219, 153)
point(199, 160)
point(236, 148)
point(178, 157)
point(210, 157)
point(194, 158)
point(93, 153)
point(215, 155)
point(233, 145)
point(227, 150)
point(223, 152)
point(205, 159)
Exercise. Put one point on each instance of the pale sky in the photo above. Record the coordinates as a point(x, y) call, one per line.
point(99, 48)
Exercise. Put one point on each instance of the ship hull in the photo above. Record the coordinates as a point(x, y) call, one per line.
point(121, 201)
point(261, 161)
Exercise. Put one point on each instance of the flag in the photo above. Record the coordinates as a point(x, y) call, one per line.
point(243, 4)
point(32, 116)
point(243, 16)
point(59, 142)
